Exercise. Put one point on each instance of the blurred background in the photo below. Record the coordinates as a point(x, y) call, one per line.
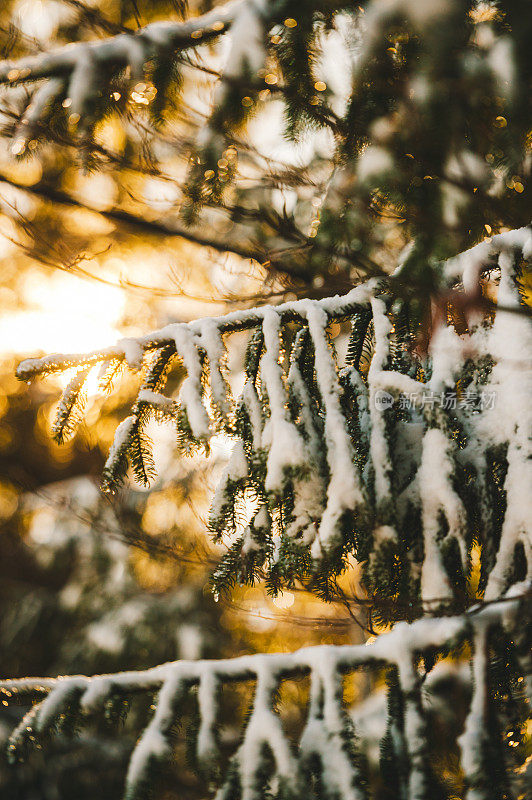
point(88, 254)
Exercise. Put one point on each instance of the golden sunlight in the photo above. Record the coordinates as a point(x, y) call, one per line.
point(61, 312)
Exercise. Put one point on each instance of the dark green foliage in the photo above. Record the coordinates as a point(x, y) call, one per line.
point(393, 762)
point(70, 410)
point(497, 467)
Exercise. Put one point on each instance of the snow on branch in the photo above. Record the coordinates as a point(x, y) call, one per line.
point(73, 74)
point(395, 462)
point(123, 50)
point(327, 739)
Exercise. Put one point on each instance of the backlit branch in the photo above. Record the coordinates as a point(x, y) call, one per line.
point(328, 735)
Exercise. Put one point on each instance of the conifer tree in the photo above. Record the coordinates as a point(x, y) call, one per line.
point(410, 451)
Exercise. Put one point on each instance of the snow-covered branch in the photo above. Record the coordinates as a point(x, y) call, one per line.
point(74, 61)
point(344, 458)
point(327, 731)
point(77, 74)
point(335, 307)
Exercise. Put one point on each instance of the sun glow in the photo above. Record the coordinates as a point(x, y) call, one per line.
point(63, 313)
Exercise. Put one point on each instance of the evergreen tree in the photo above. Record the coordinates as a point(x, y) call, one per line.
point(409, 449)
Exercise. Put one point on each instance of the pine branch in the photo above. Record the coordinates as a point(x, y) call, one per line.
point(72, 696)
point(126, 49)
point(318, 455)
point(281, 261)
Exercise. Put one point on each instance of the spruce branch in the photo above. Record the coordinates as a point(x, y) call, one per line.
point(326, 728)
point(315, 463)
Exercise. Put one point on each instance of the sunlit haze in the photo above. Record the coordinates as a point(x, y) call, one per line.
point(62, 312)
